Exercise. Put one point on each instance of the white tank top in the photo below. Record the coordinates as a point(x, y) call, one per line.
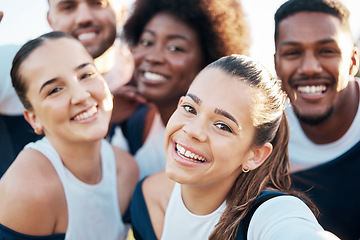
point(151, 155)
point(180, 223)
point(93, 210)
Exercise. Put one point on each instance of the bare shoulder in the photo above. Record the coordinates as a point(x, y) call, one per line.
point(127, 172)
point(158, 185)
point(33, 198)
point(126, 165)
point(157, 190)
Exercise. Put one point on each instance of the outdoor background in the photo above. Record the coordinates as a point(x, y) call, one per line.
point(26, 19)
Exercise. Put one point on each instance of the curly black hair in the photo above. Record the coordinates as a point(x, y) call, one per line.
point(221, 24)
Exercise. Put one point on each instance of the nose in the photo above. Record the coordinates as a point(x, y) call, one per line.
point(310, 65)
point(84, 14)
point(196, 128)
point(155, 54)
point(79, 94)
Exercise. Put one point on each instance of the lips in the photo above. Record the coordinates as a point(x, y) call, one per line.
point(87, 114)
point(187, 154)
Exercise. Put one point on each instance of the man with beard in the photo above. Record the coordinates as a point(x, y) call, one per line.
point(94, 23)
point(316, 60)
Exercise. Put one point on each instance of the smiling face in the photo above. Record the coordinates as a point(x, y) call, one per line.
point(93, 22)
point(314, 59)
point(70, 100)
point(210, 136)
point(167, 58)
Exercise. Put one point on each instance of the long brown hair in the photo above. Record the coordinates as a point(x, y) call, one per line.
point(270, 124)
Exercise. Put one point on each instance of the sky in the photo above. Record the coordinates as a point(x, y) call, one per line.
point(26, 19)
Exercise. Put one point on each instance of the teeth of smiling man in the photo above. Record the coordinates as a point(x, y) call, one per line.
point(86, 36)
point(319, 89)
point(86, 114)
point(182, 151)
point(153, 76)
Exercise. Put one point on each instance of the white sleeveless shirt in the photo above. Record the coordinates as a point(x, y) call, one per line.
point(180, 223)
point(151, 155)
point(93, 210)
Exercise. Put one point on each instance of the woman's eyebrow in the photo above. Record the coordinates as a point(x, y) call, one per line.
point(217, 110)
point(194, 98)
point(226, 114)
point(47, 83)
point(54, 79)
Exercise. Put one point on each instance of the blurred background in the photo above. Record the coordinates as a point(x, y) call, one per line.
point(26, 19)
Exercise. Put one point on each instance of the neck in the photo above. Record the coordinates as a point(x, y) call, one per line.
point(106, 61)
point(117, 65)
point(202, 200)
point(339, 122)
point(166, 110)
point(82, 160)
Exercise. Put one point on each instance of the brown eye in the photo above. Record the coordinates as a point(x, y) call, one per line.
point(86, 75)
point(54, 90)
point(189, 109)
point(223, 127)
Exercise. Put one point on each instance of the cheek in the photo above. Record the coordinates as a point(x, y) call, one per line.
point(139, 53)
point(102, 93)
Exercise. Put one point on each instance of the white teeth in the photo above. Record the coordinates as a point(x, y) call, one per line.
point(319, 89)
point(154, 76)
point(86, 114)
point(186, 153)
point(86, 36)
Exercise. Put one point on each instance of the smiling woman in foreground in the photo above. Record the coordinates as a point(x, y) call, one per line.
point(71, 184)
point(226, 151)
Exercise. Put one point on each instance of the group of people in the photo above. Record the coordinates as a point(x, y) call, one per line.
point(200, 141)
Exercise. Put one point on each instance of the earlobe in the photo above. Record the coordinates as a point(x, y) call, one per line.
point(258, 156)
point(31, 118)
point(354, 65)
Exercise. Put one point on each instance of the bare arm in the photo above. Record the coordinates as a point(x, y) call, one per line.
point(157, 190)
point(32, 198)
point(127, 176)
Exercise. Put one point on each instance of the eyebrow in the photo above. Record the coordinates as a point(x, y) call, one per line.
point(170, 36)
point(55, 79)
point(62, 2)
point(194, 98)
point(292, 43)
point(217, 110)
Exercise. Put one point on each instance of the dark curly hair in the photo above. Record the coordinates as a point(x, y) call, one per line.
point(220, 24)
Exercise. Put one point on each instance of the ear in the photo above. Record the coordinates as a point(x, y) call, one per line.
point(354, 64)
point(180, 101)
point(48, 18)
point(275, 63)
point(259, 155)
point(31, 118)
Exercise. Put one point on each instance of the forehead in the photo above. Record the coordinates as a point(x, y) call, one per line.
point(111, 3)
point(310, 27)
point(221, 90)
point(54, 57)
point(169, 24)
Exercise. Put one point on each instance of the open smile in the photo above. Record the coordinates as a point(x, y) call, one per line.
point(87, 114)
point(312, 89)
point(187, 154)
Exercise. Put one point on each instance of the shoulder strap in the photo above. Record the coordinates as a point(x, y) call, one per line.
point(244, 225)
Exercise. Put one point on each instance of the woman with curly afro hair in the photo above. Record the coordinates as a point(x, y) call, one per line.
point(171, 41)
